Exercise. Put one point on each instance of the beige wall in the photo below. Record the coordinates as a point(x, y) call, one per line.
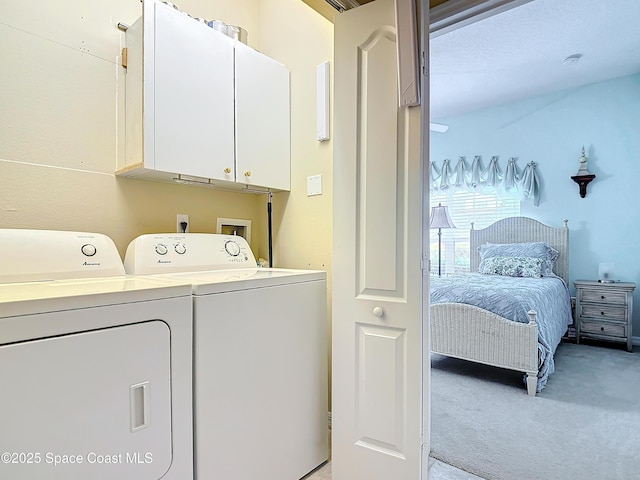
point(296, 35)
point(61, 124)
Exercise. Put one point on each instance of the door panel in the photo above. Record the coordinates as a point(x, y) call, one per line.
point(377, 300)
point(381, 392)
point(379, 179)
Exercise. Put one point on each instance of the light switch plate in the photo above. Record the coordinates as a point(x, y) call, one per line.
point(314, 185)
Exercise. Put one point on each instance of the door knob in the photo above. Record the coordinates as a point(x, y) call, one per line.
point(378, 312)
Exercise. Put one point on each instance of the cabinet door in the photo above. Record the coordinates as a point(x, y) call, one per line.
point(263, 131)
point(193, 98)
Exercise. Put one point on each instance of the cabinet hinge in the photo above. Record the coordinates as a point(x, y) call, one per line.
point(425, 63)
point(124, 57)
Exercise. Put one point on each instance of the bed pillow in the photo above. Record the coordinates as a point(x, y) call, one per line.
point(540, 250)
point(513, 266)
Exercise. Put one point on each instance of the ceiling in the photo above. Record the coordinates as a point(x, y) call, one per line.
point(519, 53)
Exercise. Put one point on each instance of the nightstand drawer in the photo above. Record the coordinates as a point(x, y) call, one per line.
point(603, 311)
point(601, 328)
point(603, 296)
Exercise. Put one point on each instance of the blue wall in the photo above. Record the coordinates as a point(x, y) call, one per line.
point(551, 130)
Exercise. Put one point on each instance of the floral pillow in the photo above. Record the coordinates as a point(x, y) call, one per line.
point(541, 250)
point(513, 266)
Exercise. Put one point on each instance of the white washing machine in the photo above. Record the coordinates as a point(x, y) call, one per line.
point(95, 367)
point(260, 356)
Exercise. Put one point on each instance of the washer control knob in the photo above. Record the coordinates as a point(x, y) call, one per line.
point(88, 250)
point(378, 312)
point(232, 248)
point(180, 248)
point(161, 249)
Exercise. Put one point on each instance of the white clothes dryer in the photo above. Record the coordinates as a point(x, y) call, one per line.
point(260, 355)
point(95, 366)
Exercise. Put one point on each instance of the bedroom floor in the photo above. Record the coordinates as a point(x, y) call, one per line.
point(437, 471)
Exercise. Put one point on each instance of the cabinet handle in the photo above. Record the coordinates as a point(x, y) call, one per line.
point(227, 170)
point(601, 313)
point(602, 297)
point(602, 329)
point(247, 173)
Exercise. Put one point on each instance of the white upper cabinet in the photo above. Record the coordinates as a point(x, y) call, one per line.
point(263, 149)
point(202, 107)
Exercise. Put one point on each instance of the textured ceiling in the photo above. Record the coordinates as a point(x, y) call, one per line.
point(519, 53)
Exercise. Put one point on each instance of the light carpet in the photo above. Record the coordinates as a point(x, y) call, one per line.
point(584, 425)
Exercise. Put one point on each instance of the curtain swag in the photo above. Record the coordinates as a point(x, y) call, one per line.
point(479, 179)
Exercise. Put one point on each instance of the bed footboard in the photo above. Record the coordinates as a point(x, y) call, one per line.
point(472, 333)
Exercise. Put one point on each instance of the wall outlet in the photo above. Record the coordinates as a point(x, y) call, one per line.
point(179, 223)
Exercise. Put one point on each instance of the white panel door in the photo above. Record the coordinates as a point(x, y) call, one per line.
point(93, 405)
point(377, 294)
point(194, 113)
point(263, 126)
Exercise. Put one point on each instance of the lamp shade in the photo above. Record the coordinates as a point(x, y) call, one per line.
point(440, 217)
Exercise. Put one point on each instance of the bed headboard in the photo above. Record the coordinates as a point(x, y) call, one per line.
point(521, 230)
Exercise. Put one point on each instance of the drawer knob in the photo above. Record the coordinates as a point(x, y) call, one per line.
point(601, 313)
point(602, 329)
point(602, 297)
point(227, 170)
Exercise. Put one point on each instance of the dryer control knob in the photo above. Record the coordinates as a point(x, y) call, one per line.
point(180, 248)
point(161, 249)
point(88, 250)
point(232, 248)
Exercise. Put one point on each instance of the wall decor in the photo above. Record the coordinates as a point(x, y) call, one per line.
point(583, 177)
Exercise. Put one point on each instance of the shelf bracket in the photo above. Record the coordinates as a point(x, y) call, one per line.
point(583, 181)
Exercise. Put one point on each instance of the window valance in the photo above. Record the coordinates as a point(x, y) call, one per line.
point(477, 178)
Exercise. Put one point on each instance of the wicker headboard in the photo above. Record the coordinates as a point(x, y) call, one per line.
point(522, 230)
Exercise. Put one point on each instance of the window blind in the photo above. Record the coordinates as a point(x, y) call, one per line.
point(466, 207)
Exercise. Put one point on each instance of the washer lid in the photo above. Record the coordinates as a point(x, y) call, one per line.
point(59, 295)
point(217, 281)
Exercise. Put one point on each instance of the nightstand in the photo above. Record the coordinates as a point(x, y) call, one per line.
point(603, 311)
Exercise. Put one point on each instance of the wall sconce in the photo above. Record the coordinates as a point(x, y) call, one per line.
point(583, 177)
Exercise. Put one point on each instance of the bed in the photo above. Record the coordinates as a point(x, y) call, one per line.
point(523, 337)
